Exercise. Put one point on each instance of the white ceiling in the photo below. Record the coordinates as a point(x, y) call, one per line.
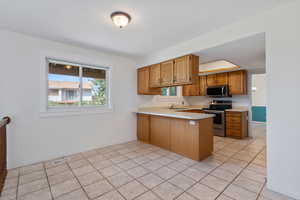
point(156, 24)
point(249, 53)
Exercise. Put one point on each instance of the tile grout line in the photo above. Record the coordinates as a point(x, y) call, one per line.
point(50, 189)
point(106, 179)
point(155, 150)
point(240, 174)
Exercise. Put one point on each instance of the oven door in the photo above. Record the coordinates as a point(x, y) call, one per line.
point(219, 122)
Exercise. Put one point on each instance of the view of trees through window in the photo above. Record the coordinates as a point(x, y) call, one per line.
point(70, 85)
point(169, 91)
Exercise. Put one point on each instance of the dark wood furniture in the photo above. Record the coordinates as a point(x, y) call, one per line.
point(3, 160)
point(236, 124)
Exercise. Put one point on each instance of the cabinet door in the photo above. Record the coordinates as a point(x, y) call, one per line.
point(182, 70)
point(191, 90)
point(211, 80)
point(177, 138)
point(237, 82)
point(222, 79)
point(185, 144)
point(160, 131)
point(155, 75)
point(143, 82)
point(166, 73)
point(143, 128)
point(202, 85)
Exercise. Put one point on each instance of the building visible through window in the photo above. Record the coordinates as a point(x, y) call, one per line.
point(76, 85)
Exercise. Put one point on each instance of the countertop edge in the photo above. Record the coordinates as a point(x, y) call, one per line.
point(178, 115)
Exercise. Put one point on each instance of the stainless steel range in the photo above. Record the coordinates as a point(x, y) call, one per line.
point(218, 108)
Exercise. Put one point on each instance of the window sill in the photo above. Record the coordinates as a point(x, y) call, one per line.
point(61, 112)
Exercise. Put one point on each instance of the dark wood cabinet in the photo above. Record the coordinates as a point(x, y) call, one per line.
point(237, 82)
point(236, 124)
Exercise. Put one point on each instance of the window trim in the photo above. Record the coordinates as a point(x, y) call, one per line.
point(86, 109)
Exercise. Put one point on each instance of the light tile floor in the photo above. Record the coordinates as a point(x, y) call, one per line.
point(141, 171)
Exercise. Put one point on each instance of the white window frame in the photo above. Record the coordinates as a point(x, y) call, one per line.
point(81, 109)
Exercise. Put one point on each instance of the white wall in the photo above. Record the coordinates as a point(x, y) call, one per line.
point(259, 94)
point(282, 52)
point(32, 138)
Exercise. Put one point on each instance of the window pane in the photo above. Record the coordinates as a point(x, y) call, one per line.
point(164, 91)
point(93, 86)
point(169, 91)
point(63, 85)
point(173, 91)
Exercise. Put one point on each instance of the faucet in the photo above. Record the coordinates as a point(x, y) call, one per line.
point(172, 106)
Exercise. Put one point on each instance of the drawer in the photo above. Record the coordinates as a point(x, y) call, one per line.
point(233, 126)
point(229, 114)
point(233, 120)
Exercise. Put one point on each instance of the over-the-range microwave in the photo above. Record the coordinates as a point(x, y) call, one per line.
point(218, 91)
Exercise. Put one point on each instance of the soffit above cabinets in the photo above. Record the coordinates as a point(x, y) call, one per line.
point(217, 66)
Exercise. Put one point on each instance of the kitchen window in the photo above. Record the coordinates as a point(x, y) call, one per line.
point(73, 85)
point(169, 91)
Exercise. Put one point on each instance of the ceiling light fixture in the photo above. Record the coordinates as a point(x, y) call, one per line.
point(120, 19)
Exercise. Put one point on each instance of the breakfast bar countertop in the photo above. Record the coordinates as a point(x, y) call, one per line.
point(174, 113)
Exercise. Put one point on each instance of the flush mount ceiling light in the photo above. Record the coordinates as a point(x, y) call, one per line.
point(120, 19)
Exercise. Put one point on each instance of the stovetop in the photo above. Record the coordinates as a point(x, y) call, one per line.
point(219, 105)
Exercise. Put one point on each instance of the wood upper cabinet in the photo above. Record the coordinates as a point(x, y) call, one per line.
point(197, 89)
point(217, 79)
point(143, 128)
point(237, 82)
point(155, 76)
point(222, 79)
point(143, 77)
point(166, 73)
point(202, 85)
point(236, 124)
point(192, 90)
point(182, 70)
point(211, 80)
point(191, 85)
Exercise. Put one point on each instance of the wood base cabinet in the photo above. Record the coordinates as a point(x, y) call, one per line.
point(194, 140)
point(236, 124)
point(190, 138)
point(160, 132)
point(143, 128)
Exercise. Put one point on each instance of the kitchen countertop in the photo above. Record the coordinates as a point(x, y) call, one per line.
point(238, 109)
point(166, 112)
